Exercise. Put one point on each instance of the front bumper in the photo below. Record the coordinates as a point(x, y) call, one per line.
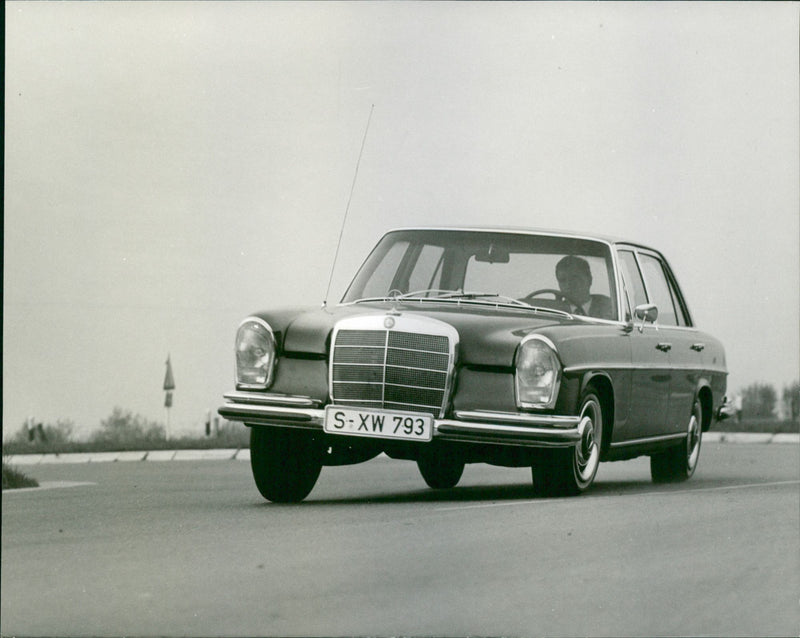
point(498, 428)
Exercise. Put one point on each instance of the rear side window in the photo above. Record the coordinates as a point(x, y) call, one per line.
point(632, 278)
point(659, 290)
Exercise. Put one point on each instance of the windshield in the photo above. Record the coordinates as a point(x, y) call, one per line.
point(561, 273)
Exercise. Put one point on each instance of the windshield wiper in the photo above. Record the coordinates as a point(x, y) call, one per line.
point(509, 301)
point(428, 293)
point(396, 295)
point(436, 293)
point(460, 294)
point(489, 298)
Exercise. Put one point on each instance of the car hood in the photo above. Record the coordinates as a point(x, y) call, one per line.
point(488, 335)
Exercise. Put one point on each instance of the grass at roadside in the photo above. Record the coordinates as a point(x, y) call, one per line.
point(14, 479)
point(233, 437)
point(237, 436)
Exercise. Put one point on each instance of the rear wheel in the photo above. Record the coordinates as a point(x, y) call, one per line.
point(569, 472)
point(285, 463)
point(440, 469)
point(679, 463)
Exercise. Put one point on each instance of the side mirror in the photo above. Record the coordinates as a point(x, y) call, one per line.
point(647, 313)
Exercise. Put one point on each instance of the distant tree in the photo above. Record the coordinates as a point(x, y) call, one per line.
point(759, 400)
point(56, 434)
point(122, 428)
point(791, 401)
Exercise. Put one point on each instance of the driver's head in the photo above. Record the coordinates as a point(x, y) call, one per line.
point(574, 278)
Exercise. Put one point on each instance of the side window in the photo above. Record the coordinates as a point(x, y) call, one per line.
point(658, 290)
point(682, 312)
point(632, 278)
point(427, 271)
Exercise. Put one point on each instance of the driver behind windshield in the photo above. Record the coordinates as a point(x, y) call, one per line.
point(575, 281)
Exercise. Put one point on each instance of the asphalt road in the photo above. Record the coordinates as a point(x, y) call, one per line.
point(190, 548)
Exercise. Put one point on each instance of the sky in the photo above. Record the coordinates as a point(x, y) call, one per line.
point(171, 167)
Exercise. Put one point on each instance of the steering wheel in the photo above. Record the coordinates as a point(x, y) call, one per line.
point(558, 294)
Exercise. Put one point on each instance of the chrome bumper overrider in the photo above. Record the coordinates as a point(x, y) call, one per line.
point(502, 428)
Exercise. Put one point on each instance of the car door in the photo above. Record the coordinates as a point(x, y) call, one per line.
point(650, 361)
point(678, 336)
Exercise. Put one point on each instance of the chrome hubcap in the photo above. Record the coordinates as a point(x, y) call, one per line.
point(587, 441)
point(693, 441)
point(587, 451)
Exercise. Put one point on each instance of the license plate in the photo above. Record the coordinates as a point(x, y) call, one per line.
point(412, 426)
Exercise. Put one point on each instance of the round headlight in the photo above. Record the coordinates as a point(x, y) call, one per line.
point(538, 373)
point(255, 354)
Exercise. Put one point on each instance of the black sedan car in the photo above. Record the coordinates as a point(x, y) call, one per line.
point(512, 347)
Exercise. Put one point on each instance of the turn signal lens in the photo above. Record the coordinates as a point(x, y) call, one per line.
point(255, 354)
point(538, 373)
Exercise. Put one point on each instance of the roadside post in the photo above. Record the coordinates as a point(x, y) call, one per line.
point(169, 386)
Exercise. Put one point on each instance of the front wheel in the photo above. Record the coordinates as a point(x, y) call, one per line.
point(285, 463)
point(440, 470)
point(679, 463)
point(570, 472)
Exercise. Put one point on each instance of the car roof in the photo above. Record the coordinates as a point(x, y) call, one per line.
point(531, 231)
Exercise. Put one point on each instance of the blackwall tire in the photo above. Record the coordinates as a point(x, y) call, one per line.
point(678, 463)
point(440, 470)
point(285, 463)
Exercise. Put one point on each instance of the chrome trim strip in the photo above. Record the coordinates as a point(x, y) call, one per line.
point(521, 419)
point(607, 366)
point(269, 415)
point(513, 431)
point(661, 327)
point(504, 434)
point(258, 398)
point(650, 439)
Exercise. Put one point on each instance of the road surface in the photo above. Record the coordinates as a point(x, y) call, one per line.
point(190, 548)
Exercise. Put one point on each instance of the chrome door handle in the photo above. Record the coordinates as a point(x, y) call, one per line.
point(664, 347)
point(698, 347)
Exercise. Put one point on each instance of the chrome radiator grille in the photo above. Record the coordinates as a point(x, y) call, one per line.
point(391, 369)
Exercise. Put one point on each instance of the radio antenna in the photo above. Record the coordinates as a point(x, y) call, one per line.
point(347, 209)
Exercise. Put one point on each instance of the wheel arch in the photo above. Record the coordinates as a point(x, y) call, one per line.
point(601, 381)
point(706, 399)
